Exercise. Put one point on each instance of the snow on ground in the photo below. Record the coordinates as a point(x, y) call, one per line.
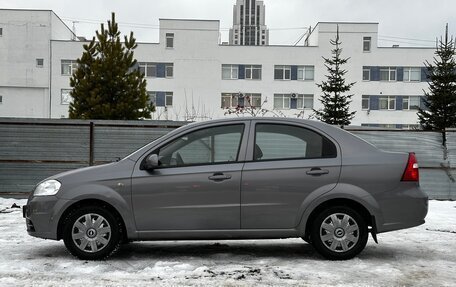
point(420, 256)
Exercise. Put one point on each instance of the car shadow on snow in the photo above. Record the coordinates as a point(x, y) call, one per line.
point(242, 250)
point(222, 250)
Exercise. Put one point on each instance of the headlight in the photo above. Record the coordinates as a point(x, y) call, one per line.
point(48, 187)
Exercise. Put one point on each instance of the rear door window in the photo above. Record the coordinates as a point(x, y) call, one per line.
point(278, 141)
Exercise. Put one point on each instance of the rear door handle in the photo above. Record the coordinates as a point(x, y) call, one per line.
point(219, 176)
point(316, 171)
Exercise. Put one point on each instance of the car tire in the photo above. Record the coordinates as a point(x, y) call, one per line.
point(339, 233)
point(92, 233)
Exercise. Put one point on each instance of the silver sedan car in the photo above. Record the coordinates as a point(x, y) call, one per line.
point(244, 178)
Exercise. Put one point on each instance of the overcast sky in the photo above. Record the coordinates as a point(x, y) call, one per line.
point(403, 22)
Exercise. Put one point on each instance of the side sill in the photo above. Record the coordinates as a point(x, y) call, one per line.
point(225, 234)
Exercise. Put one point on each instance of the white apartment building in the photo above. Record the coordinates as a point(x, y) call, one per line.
point(249, 26)
point(191, 76)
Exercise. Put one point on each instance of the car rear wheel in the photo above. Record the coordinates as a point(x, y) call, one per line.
point(339, 233)
point(92, 233)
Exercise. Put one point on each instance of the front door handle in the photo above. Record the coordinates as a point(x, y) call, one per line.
point(316, 171)
point(219, 176)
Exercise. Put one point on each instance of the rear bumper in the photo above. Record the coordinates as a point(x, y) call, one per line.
point(403, 208)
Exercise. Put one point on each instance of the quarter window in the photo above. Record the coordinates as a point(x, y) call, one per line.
point(280, 142)
point(68, 67)
point(202, 147)
point(282, 72)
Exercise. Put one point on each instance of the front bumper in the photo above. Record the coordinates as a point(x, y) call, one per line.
point(42, 215)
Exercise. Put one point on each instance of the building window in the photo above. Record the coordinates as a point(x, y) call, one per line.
point(405, 103)
point(65, 97)
point(169, 40)
point(253, 72)
point(1, 99)
point(412, 74)
point(233, 100)
point(388, 74)
point(304, 101)
point(169, 99)
point(169, 70)
point(281, 101)
point(152, 97)
point(39, 63)
point(235, 42)
point(366, 74)
point(414, 102)
point(68, 67)
point(367, 44)
point(306, 73)
point(230, 72)
point(229, 100)
point(148, 69)
point(387, 103)
point(1, 32)
point(161, 99)
point(252, 100)
point(365, 102)
point(282, 72)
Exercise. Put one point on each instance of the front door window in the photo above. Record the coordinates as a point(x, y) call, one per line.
point(207, 146)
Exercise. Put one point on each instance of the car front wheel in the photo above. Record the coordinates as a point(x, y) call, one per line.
point(339, 233)
point(92, 233)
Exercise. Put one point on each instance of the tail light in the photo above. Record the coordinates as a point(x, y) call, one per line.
point(411, 172)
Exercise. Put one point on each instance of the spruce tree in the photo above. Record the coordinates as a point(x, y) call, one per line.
point(440, 99)
point(106, 84)
point(335, 102)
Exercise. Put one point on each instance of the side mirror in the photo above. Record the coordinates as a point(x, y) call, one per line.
point(151, 162)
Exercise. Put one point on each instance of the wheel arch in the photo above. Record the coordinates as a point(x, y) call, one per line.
point(338, 201)
point(87, 202)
